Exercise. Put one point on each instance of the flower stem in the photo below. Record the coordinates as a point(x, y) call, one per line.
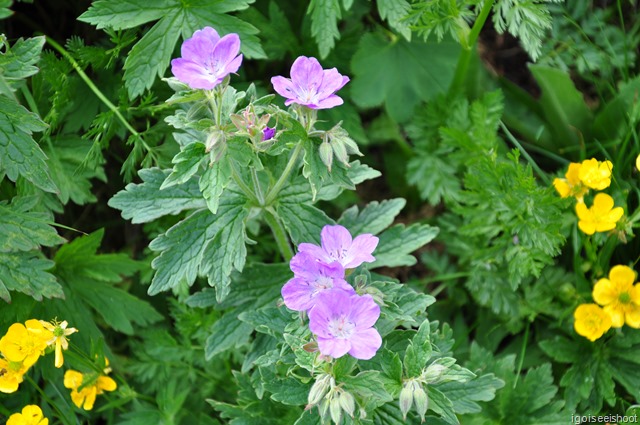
point(256, 186)
point(273, 193)
point(465, 55)
point(97, 92)
point(243, 186)
point(526, 155)
point(279, 233)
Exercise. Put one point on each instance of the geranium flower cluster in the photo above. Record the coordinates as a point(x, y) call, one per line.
point(602, 216)
point(618, 302)
point(341, 320)
point(22, 346)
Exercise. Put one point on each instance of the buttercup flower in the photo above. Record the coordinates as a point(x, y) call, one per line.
point(25, 343)
point(310, 85)
point(11, 375)
point(601, 217)
point(31, 415)
point(595, 174)
point(571, 185)
point(591, 321)
point(59, 333)
point(207, 59)
point(86, 397)
point(338, 245)
point(619, 296)
point(311, 277)
point(343, 323)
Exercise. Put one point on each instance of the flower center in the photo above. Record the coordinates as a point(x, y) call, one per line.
point(624, 298)
point(323, 282)
point(341, 327)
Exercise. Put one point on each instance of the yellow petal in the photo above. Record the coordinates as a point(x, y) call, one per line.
point(587, 227)
point(107, 384)
point(78, 398)
point(90, 397)
point(632, 316)
point(583, 212)
point(59, 359)
point(616, 314)
point(605, 226)
point(615, 214)
point(602, 204)
point(604, 292)
point(32, 412)
point(72, 379)
point(638, 162)
point(562, 187)
point(623, 276)
point(573, 173)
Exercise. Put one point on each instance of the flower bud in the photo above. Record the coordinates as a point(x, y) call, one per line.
point(319, 389)
point(406, 399)
point(421, 400)
point(326, 154)
point(439, 367)
point(340, 151)
point(347, 402)
point(335, 410)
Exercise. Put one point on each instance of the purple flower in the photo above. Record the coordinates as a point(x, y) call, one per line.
point(310, 85)
point(207, 59)
point(268, 133)
point(343, 323)
point(311, 277)
point(337, 245)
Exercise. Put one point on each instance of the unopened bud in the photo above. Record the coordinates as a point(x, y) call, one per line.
point(335, 410)
point(310, 347)
point(326, 154)
point(347, 402)
point(434, 372)
point(421, 400)
point(215, 137)
point(319, 389)
point(352, 147)
point(406, 400)
point(340, 151)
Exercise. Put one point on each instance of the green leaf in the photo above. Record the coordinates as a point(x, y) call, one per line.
point(288, 391)
point(19, 61)
point(563, 105)
point(400, 74)
point(24, 230)
point(612, 121)
point(397, 242)
point(393, 11)
point(228, 332)
point(182, 248)
point(303, 222)
point(562, 350)
point(419, 351)
point(269, 320)
point(186, 164)
point(145, 202)
point(368, 386)
point(435, 177)
point(374, 218)
point(150, 57)
point(278, 38)
point(89, 276)
point(213, 181)
point(26, 272)
point(324, 24)
point(464, 395)
point(439, 403)
point(123, 14)
point(20, 155)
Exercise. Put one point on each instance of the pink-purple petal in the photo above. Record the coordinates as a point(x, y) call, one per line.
point(317, 252)
point(365, 344)
point(335, 239)
point(227, 49)
point(329, 102)
point(361, 249)
point(199, 47)
point(332, 81)
point(297, 295)
point(192, 74)
point(334, 347)
point(364, 312)
point(306, 72)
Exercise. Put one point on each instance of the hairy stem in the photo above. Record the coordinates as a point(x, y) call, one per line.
point(273, 193)
point(279, 233)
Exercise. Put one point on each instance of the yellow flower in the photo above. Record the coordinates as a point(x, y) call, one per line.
point(591, 321)
point(59, 333)
point(638, 162)
point(11, 374)
point(31, 415)
point(97, 384)
point(595, 174)
point(571, 185)
point(25, 343)
point(619, 297)
point(601, 217)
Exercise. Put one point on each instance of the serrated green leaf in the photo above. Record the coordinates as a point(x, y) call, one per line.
point(434, 177)
point(213, 181)
point(26, 272)
point(186, 164)
point(440, 404)
point(562, 350)
point(374, 218)
point(20, 155)
point(123, 14)
point(394, 11)
point(277, 35)
point(464, 395)
point(324, 24)
point(303, 222)
point(226, 333)
point(150, 57)
point(400, 74)
point(368, 386)
point(22, 229)
point(19, 61)
point(89, 276)
point(419, 351)
point(397, 242)
point(289, 391)
point(145, 202)
point(182, 247)
point(269, 320)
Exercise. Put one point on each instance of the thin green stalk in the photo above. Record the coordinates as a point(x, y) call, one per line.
point(279, 233)
point(525, 154)
point(522, 353)
point(97, 91)
point(256, 186)
point(243, 186)
point(465, 55)
point(273, 193)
